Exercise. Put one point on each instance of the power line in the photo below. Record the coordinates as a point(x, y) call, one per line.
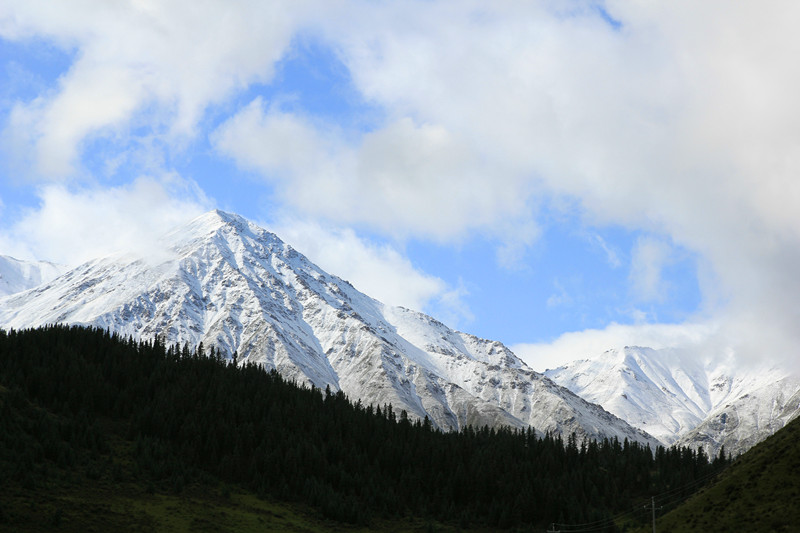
point(667, 498)
point(700, 480)
point(597, 524)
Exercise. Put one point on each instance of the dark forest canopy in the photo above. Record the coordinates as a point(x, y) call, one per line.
point(192, 416)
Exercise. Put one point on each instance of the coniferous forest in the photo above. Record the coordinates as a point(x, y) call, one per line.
point(191, 416)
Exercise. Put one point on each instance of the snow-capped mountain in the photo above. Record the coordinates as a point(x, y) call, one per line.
point(17, 276)
point(681, 398)
point(228, 283)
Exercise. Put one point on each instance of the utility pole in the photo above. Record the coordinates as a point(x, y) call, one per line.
point(653, 508)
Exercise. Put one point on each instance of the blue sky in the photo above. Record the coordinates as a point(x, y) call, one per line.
point(562, 180)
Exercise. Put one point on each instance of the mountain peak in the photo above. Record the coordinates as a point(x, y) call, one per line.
point(224, 217)
point(217, 223)
point(237, 287)
point(216, 218)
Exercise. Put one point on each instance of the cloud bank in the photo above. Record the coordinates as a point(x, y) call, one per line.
point(695, 338)
point(651, 116)
point(73, 225)
point(381, 271)
point(161, 62)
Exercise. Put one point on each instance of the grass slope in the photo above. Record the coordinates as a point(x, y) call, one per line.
point(128, 507)
point(759, 492)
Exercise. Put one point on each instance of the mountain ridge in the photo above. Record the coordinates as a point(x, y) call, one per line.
point(684, 399)
point(226, 282)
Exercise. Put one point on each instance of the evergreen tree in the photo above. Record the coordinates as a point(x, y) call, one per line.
point(189, 416)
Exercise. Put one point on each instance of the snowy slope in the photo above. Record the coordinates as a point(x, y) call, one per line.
point(681, 398)
point(17, 276)
point(224, 281)
point(757, 405)
point(659, 391)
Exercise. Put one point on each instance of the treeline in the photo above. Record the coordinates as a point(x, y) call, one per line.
point(192, 416)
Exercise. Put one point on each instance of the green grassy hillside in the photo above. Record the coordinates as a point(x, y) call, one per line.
point(759, 492)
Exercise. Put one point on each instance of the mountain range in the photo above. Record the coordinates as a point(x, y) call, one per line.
point(226, 282)
point(684, 399)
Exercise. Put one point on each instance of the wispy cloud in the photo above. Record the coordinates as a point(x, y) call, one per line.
point(648, 260)
point(698, 338)
point(73, 225)
point(612, 255)
point(379, 270)
point(404, 179)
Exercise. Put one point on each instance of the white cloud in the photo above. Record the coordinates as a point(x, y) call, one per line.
point(560, 298)
point(672, 124)
point(405, 179)
point(648, 259)
point(57, 127)
point(694, 337)
point(313, 168)
point(515, 235)
point(379, 270)
point(72, 226)
point(612, 255)
point(451, 308)
point(173, 57)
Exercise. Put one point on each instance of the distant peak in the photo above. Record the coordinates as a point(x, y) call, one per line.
point(220, 216)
